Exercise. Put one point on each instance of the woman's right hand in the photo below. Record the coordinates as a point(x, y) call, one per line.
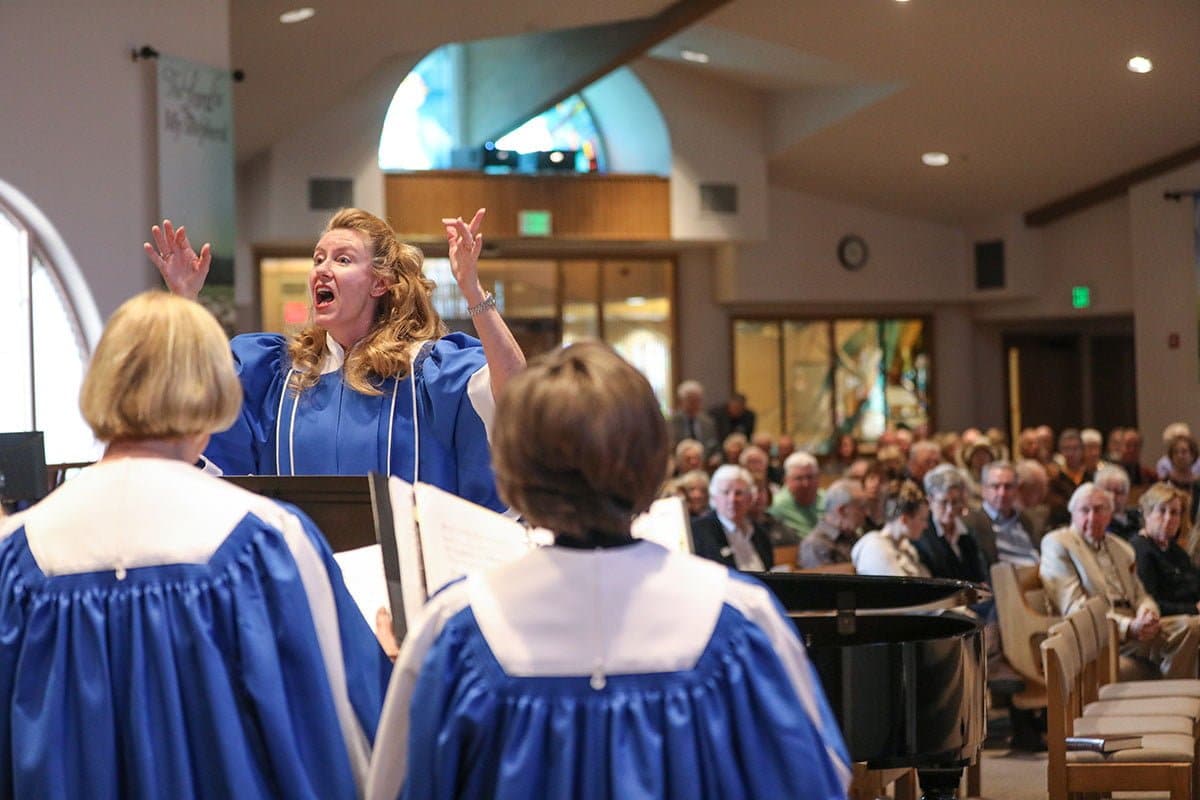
point(181, 267)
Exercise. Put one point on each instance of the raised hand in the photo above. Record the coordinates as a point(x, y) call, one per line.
point(182, 268)
point(466, 242)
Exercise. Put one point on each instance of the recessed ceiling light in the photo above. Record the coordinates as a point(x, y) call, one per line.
point(694, 55)
point(296, 15)
point(1139, 64)
point(636, 300)
point(901, 1)
point(935, 159)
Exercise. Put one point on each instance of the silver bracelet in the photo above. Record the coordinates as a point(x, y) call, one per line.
point(488, 301)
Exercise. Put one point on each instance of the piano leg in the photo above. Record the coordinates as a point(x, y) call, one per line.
point(940, 784)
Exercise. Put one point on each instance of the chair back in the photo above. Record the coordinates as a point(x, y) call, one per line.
point(1106, 643)
point(1022, 626)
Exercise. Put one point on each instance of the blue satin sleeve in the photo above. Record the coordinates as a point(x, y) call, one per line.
point(368, 669)
point(246, 447)
point(455, 454)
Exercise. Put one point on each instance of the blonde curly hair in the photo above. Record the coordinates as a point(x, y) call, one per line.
point(403, 315)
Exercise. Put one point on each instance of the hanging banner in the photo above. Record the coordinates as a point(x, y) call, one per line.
point(196, 168)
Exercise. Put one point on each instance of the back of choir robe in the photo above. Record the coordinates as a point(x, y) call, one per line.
point(168, 635)
point(626, 672)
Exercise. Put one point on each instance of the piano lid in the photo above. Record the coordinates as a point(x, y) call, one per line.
point(821, 593)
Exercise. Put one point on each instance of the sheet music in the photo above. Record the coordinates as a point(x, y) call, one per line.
point(362, 571)
point(408, 547)
point(665, 523)
point(458, 536)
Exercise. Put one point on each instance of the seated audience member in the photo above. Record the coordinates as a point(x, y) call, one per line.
point(924, 456)
point(890, 550)
point(1163, 466)
point(999, 442)
point(1072, 470)
point(1093, 448)
point(1130, 459)
point(1126, 521)
point(798, 503)
point(168, 634)
point(845, 452)
point(756, 461)
point(1045, 440)
point(694, 488)
point(733, 417)
point(947, 547)
point(1116, 444)
point(1084, 560)
point(891, 462)
point(974, 457)
point(1003, 532)
point(1165, 568)
point(1027, 445)
point(778, 534)
point(728, 535)
point(603, 666)
point(1182, 453)
point(691, 421)
point(870, 474)
point(1032, 493)
point(689, 456)
point(833, 537)
point(732, 447)
point(949, 444)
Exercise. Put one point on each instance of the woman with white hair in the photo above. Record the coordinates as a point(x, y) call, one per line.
point(729, 535)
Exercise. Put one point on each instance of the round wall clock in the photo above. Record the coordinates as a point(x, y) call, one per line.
point(852, 252)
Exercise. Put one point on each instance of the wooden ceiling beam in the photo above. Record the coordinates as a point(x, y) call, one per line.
point(1108, 189)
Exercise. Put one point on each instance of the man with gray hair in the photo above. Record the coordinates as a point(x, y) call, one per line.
point(691, 421)
point(922, 457)
point(1126, 519)
point(833, 537)
point(798, 506)
point(1003, 531)
point(1084, 560)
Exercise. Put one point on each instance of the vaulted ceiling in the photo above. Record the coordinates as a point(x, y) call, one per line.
point(1031, 99)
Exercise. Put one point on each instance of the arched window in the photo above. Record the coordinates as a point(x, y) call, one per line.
point(49, 324)
point(613, 125)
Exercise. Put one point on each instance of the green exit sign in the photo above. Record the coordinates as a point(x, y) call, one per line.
point(1081, 296)
point(534, 223)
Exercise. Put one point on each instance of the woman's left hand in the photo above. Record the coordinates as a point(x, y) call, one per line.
point(466, 242)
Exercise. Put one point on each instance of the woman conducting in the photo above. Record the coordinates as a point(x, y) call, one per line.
point(373, 383)
point(601, 667)
point(167, 634)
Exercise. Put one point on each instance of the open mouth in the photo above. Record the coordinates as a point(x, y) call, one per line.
point(322, 297)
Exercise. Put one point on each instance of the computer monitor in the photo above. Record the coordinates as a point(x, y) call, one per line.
point(22, 466)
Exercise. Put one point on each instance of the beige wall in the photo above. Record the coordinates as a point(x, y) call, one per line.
point(1165, 302)
point(77, 132)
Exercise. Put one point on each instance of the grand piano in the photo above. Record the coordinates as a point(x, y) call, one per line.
point(904, 673)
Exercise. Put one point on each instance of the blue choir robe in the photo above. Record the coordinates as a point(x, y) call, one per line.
point(169, 635)
point(330, 429)
point(624, 673)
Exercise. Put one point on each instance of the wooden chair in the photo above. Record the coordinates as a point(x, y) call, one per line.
point(1023, 622)
point(1164, 762)
point(829, 569)
point(786, 554)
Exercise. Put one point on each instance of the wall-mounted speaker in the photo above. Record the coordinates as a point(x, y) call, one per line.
point(330, 194)
point(989, 264)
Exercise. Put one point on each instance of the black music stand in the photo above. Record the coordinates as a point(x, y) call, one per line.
point(22, 467)
point(351, 510)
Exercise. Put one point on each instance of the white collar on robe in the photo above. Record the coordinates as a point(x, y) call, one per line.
point(335, 356)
